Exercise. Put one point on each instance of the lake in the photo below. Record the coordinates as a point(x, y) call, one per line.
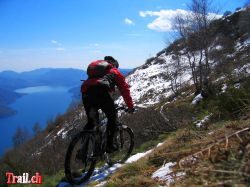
point(37, 105)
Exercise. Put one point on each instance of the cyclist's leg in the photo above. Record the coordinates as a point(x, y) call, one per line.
point(108, 107)
point(91, 111)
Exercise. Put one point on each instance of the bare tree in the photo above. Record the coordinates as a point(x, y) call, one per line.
point(191, 47)
point(174, 73)
point(195, 33)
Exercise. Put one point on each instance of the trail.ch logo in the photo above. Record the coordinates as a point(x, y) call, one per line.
point(23, 179)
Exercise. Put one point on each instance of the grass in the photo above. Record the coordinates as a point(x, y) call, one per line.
point(53, 180)
point(134, 174)
point(150, 144)
point(223, 168)
point(50, 181)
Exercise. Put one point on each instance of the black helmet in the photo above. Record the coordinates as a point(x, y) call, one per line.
point(111, 60)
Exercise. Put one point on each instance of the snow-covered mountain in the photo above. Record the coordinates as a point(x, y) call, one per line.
point(151, 82)
point(152, 85)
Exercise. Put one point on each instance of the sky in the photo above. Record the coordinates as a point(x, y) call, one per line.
point(72, 33)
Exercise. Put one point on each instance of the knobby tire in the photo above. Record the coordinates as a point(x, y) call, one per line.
point(68, 162)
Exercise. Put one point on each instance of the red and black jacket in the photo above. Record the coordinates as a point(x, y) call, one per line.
point(99, 71)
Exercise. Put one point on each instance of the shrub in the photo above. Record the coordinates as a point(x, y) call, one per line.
point(234, 102)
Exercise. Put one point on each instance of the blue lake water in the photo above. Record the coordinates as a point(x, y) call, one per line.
point(37, 105)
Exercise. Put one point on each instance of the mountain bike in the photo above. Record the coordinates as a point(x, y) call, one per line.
point(88, 147)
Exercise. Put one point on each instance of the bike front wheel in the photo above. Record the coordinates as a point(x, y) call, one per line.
point(124, 138)
point(80, 159)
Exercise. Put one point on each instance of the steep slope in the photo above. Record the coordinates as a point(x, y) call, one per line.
point(229, 56)
point(151, 82)
point(154, 87)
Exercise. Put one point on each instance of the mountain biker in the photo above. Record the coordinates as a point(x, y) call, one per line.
point(103, 75)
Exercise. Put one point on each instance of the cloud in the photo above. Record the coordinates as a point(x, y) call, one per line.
point(166, 18)
point(60, 49)
point(54, 41)
point(128, 21)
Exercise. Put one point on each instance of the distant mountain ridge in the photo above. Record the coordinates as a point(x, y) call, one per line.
point(44, 76)
point(11, 80)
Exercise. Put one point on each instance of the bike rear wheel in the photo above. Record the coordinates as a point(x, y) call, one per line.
point(124, 138)
point(80, 158)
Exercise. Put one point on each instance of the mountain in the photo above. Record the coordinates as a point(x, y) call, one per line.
point(202, 122)
point(10, 81)
point(67, 77)
point(44, 76)
point(7, 97)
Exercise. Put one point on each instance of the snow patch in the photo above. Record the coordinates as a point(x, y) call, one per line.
point(237, 85)
point(64, 134)
point(101, 184)
point(244, 69)
point(60, 131)
point(218, 47)
point(166, 174)
point(163, 171)
point(137, 156)
point(197, 99)
point(224, 88)
point(211, 133)
point(159, 144)
point(200, 123)
point(98, 175)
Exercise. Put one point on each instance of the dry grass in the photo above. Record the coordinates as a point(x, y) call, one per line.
point(225, 166)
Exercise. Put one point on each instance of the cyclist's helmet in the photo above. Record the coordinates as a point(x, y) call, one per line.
point(112, 61)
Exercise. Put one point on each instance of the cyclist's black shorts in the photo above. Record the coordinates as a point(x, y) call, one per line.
point(98, 97)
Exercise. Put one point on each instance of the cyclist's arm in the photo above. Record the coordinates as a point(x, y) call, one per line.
point(123, 87)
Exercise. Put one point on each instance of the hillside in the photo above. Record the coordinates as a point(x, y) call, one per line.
point(204, 132)
point(6, 97)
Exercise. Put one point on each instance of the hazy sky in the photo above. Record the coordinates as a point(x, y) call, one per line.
point(72, 33)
